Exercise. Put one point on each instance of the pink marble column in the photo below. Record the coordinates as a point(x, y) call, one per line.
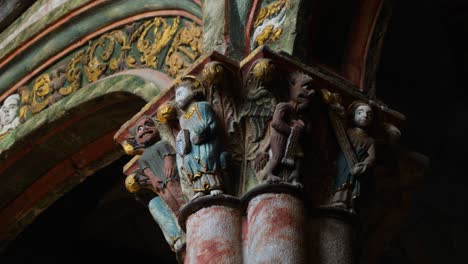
point(214, 235)
point(275, 229)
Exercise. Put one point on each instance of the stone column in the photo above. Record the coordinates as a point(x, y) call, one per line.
point(213, 227)
point(332, 236)
point(275, 219)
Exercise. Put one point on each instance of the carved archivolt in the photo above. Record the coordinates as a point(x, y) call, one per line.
point(168, 44)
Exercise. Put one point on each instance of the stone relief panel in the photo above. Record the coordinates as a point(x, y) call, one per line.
point(167, 44)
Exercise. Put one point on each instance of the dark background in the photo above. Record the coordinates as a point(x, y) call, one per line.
point(422, 71)
point(422, 74)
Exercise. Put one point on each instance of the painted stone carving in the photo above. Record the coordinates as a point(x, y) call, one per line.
point(158, 163)
point(356, 156)
point(260, 100)
point(159, 209)
point(217, 82)
point(251, 125)
point(288, 126)
point(169, 127)
point(9, 118)
point(269, 22)
point(199, 143)
point(167, 222)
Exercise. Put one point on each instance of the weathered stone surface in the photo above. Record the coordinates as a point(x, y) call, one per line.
point(275, 229)
point(214, 236)
point(36, 18)
point(214, 26)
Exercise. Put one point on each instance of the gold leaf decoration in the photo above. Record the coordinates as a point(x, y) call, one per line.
point(136, 45)
point(40, 94)
point(268, 24)
point(185, 48)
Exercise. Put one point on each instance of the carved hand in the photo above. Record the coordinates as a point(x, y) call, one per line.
point(360, 168)
point(298, 124)
point(169, 166)
point(260, 161)
point(143, 180)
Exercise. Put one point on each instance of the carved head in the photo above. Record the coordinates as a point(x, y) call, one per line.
point(10, 109)
point(146, 132)
point(361, 114)
point(166, 113)
point(301, 89)
point(188, 91)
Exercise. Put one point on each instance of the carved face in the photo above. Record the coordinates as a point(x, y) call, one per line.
point(363, 116)
point(183, 96)
point(302, 90)
point(146, 131)
point(10, 109)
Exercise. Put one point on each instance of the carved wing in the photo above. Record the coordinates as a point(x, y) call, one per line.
point(257, 111)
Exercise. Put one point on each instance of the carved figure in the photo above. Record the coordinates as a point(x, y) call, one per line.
point(260, 101)
point(9, 118)
point(357, 156)
point(252, 127)
point(217, 82)
point(161, 212)
point(199, 143)
point(288, 126)
point(157, 163)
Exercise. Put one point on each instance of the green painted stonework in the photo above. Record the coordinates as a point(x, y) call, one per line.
point(214, 20)
point(286, 41)
point(38, 26)
point(75, 29)
point(117, 84)
point(116, 99)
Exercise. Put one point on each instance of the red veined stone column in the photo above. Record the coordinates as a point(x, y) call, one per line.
point(275, 219)
point(213, 229)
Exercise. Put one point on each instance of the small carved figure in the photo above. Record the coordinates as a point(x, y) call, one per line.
point(158, 163)
point(9, 118)
point(161, 212)
point(288, 125)
point(260, 100)
point(355, 160)
point(217, 82)
point(199, 143)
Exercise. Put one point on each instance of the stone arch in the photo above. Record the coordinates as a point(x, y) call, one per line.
point(58, 148)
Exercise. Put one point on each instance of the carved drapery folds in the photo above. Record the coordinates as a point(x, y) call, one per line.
point(271, 124)
point(167, 44)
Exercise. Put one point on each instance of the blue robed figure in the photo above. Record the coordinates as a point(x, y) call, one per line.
point(200, 155)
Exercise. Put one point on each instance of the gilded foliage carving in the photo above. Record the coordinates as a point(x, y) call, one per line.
point(185, 48)
point(268, 26)
point(169, 44)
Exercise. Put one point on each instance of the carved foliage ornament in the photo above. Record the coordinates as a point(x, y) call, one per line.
point(268, 26)
point(169, 44)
